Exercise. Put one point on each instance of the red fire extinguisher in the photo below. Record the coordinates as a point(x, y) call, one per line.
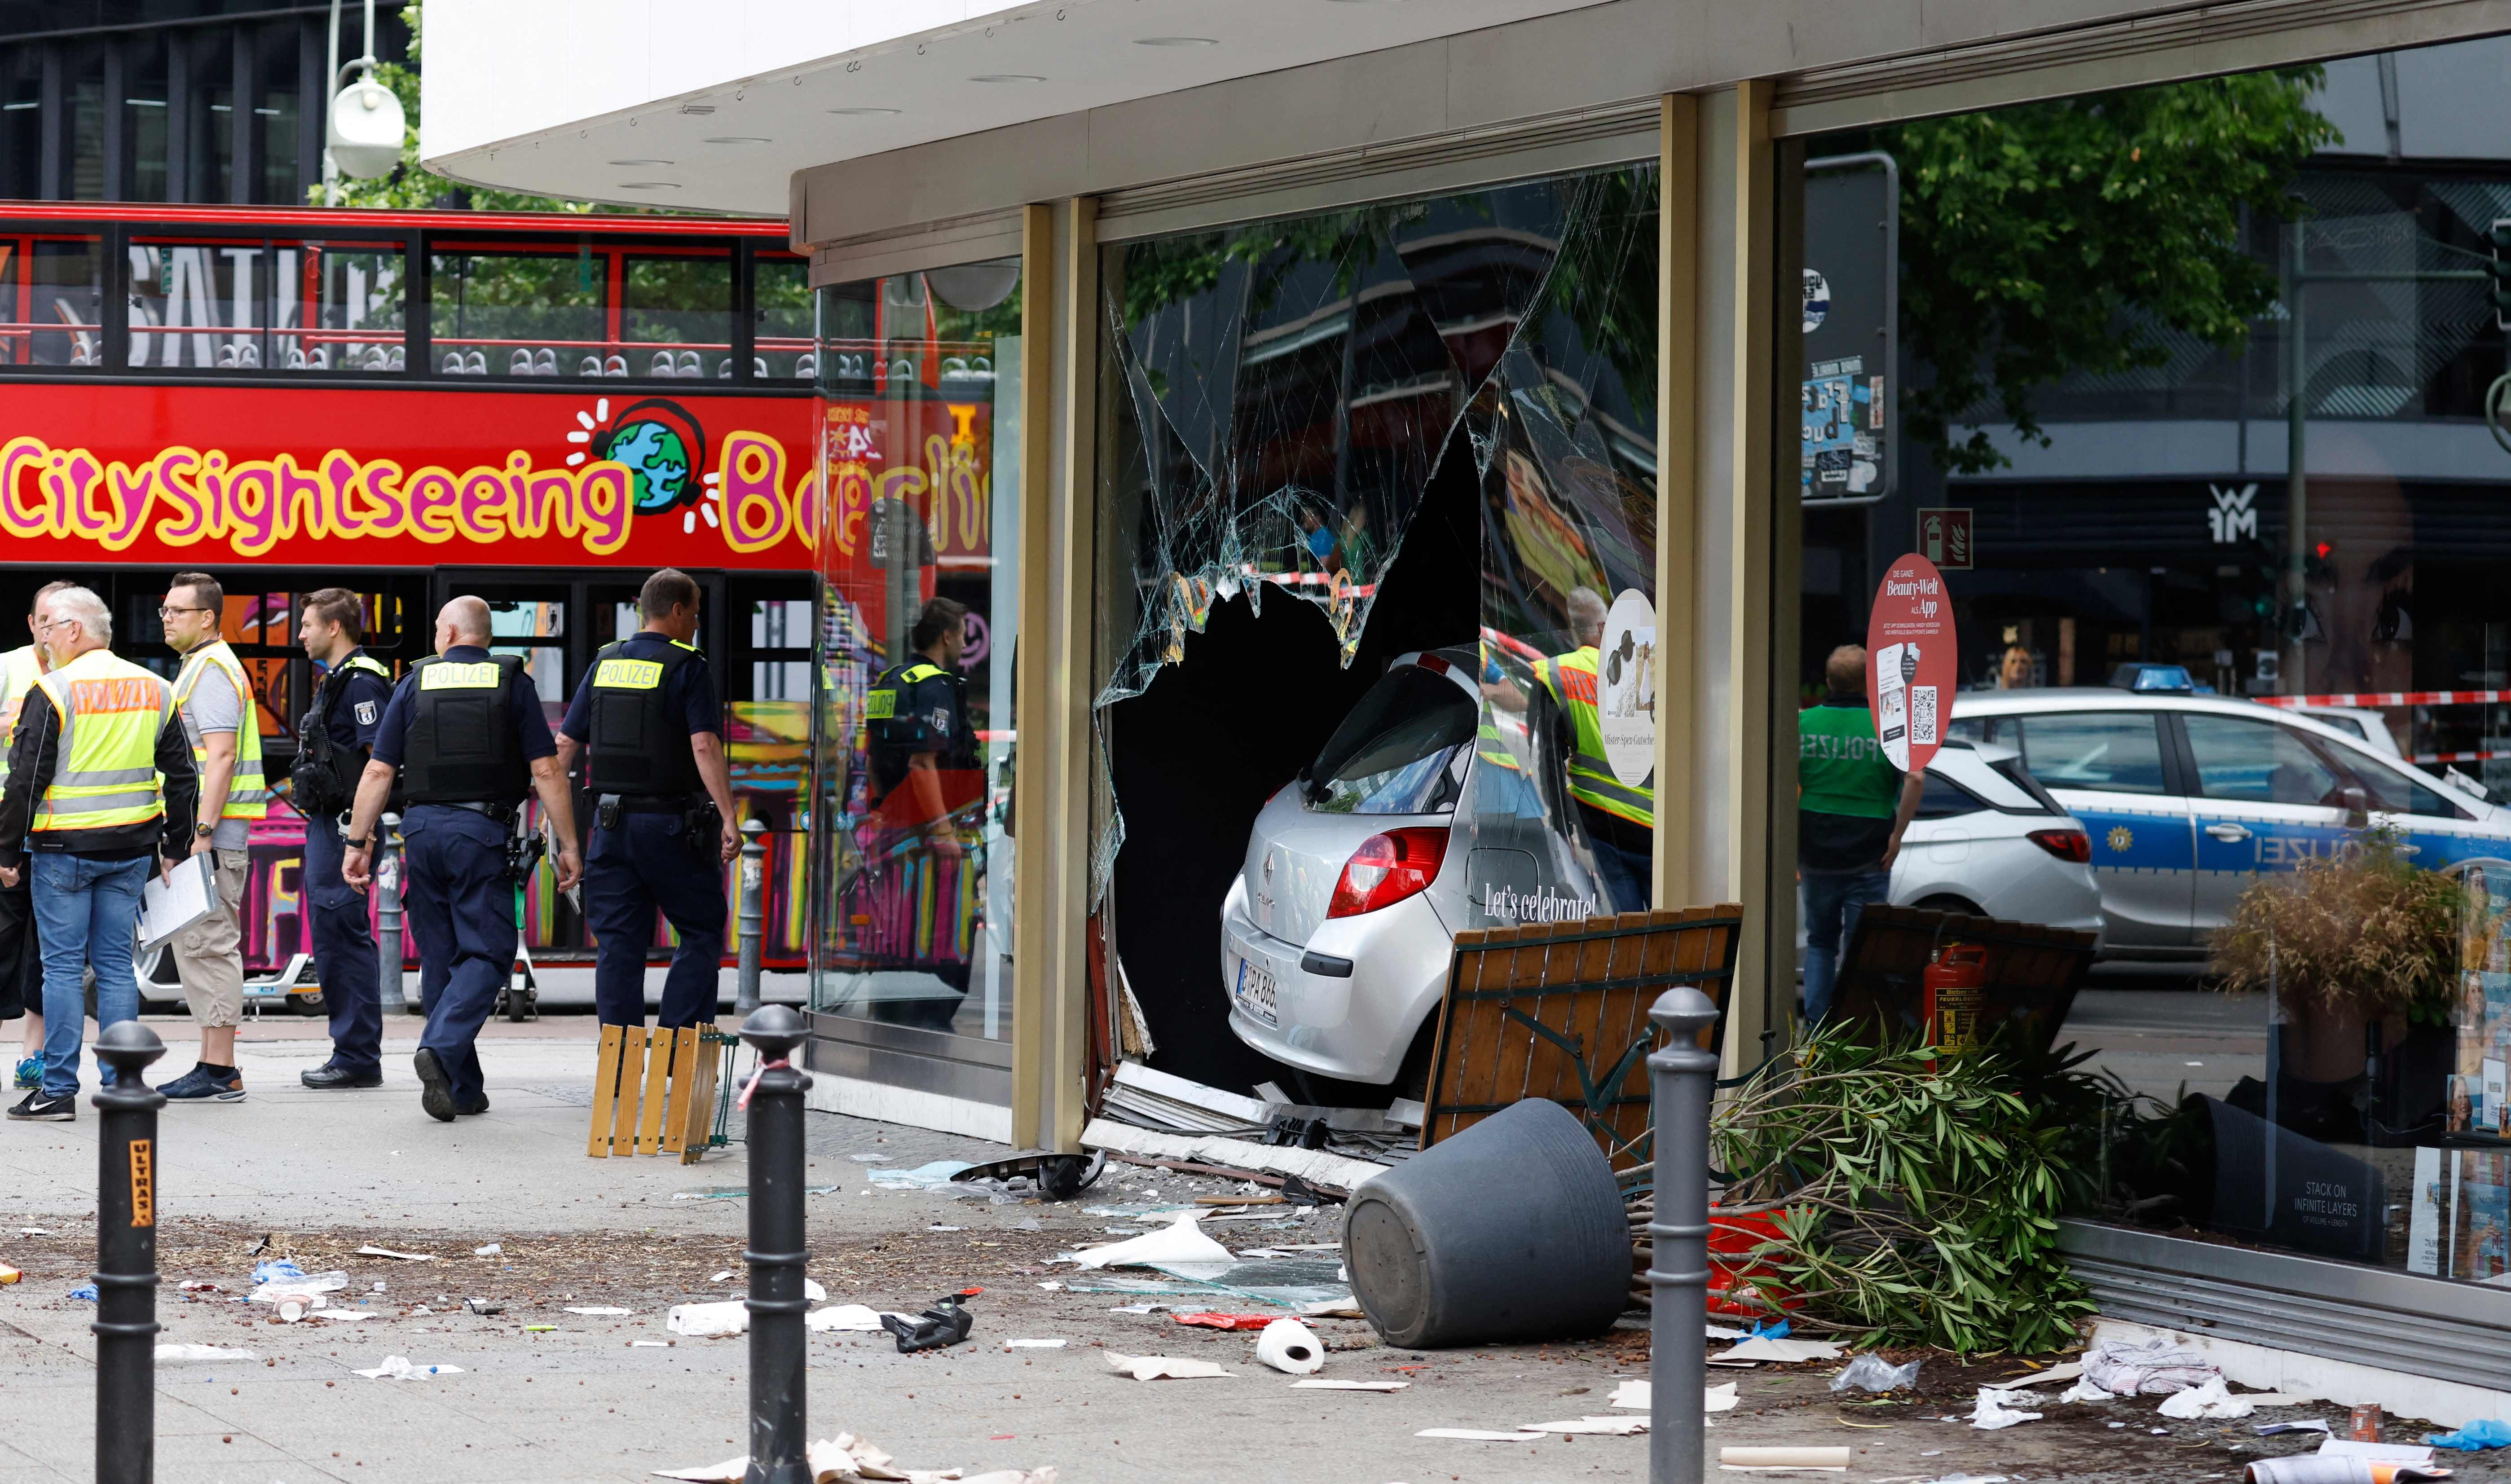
point(1951, 991)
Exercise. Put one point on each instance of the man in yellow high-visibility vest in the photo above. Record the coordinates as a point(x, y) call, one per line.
point(100, 788)
point(22, 962)
point(1619, 820)
point(214, 697)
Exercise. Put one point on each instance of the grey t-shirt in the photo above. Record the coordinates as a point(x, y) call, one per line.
point(214, 705)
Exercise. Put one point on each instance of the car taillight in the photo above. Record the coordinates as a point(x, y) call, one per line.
point(2065, 844)
point(1388, 868)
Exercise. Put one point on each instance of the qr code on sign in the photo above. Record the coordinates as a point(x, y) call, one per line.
point(1922, 714)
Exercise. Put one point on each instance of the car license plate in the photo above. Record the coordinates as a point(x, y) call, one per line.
point(1255, 993)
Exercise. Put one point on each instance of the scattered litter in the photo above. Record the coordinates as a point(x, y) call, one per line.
point(380, 1283)
point(844, 1316)
point(1328, 1383)
point(1162, 1367)
point(945, 1228)
point(1289, 1347)
point(200, 1352)
point(1220, 1321)
point(1828, 1460)
point(1782, 1351)
point(399, 1368)
point(924, 1177)
point(1869, 1372)
point(85, 1291)
point(1333, 1309)
point(8, 1275)
point(1052, 1287)
point(812, 1291)
point(399, 1256)
point(34, 1232)
point(2475, 1437)
point(540, 1329)
point(489, 1306)
point(2054, 1374)
point(198, 1285)
point(869, 1158)
point(1996, 1409)
point(2377, 1452)
point(342, 1316)
point(649, 1345)
point(944, 1324)
point(1640, 1396)
point(2085, 1390)
point(1479, 1435)
point(2210, 1402)
point(741, 1192)
point(300, 1286)
point(849, 1458)
point(278, 1270)
point(599, 1310)
point(1137, 1308)
point(2155, 1368)
point(2306, 1424)
point(1723, 1332)
point(1181, 1241)
point(701, 1321)
point(2336, 1468)
point(492, 1250)
point(721, 1276)
point(1720, 1398)
point(1033, 1344)
point(1603, 1426)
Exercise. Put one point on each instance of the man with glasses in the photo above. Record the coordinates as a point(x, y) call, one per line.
point(101, 786)
point(214, 698)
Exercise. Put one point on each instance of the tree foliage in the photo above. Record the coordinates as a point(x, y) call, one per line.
point(2053, 238)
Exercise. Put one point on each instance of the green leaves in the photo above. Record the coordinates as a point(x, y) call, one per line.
point(1915, 1207)
point(2052, 239)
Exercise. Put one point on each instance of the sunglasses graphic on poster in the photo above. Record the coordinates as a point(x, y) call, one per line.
point(1910, 671)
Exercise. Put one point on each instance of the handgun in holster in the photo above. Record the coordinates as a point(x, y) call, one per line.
point(703, 825)
point(523, 854)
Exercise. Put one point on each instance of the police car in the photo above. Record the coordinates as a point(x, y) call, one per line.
point(2189, 798)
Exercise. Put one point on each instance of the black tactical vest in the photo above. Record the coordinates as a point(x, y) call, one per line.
point(639, 748)
point(461, 747)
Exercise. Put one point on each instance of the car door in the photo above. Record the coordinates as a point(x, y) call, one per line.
point(2265, 799)
point(2108, 768)
point(2436, 831)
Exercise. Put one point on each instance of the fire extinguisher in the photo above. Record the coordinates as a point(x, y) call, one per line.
point(1950, 990)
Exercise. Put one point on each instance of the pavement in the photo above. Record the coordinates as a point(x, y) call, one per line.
point(544, 1393)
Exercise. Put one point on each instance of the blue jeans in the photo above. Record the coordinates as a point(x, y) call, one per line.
point(1833, 902)
point(86, 913)
point(644, 864)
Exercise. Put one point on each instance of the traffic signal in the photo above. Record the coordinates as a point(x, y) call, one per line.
point(2497, 265)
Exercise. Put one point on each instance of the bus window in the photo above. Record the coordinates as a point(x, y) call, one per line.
point(782, 319)
point(536, 631)
point(780, 640)
point(675, 317)
point(51, 301)
point(241, 306)
point(521, 314)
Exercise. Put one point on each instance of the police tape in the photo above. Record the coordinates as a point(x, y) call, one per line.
point(2363, 699)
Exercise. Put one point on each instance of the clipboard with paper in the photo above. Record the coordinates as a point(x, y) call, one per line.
point(175, 899)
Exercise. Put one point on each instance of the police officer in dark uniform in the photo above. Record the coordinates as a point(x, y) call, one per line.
point(331, 744)
point(650, 728)
point(467, 738)
point(925, 770)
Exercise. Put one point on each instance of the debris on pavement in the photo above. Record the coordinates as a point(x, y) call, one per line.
point(371, 1250)
point(847, 1460)
point(85, 1291)
point(1781, 1351)
point(493, 1249)
point(1871, 1372)
point(1210, 1321)
point(8, 1275)
point(721, 1276)
point(1325, 1383)
point(2209, 1402)
point(1994, 1409)
point(946, 1324)
point(598, 1311)
point(701, 1321)
point(2155, 1368)
point(399, 1368)
point(489, 1306)
point(1163, 1367)
point(2306, 1424)
point(2336, 1468)
point(1180, 1241)
point(287, 1280)
point(1831, 1460)
point(924, 1177)
point(2475, 1437)
point(842, 1316)
point(202, 1352)
point(1597, 1426)
point(1640, 1396)
point(1289, 1347)
point(1033, 1344)
point(1479, 1435)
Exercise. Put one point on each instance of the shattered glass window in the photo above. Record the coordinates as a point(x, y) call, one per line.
point(1287, 395)
point(919, 604)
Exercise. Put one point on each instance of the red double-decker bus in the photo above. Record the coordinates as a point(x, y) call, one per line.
point(538, 409)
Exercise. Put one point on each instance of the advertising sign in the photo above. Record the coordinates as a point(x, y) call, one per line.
point(1626, 695)
point(1910, 671)
point(1852, 249)
point(341, 477)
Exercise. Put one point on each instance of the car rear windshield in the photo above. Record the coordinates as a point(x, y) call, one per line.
point(1402, 750)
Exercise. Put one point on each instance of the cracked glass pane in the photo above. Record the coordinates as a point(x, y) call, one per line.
point(1286, 400)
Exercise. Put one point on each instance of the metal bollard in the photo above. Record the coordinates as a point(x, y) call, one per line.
point(778, 1339)
point(388, 949)
point(126, 1257)
point(752, 917)
point(1681, 1078)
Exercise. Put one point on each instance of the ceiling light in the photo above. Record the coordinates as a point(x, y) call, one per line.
point(640, 162)
point(1176, 41)
point(863, 113)
point(740, 138)
point(1007, 77)
point(649, 186)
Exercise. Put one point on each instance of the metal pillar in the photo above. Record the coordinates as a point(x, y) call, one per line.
point(752, 917)
point(126, 1257)
point(388, 949)
point(1681, 1078)
point(778, 1340)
